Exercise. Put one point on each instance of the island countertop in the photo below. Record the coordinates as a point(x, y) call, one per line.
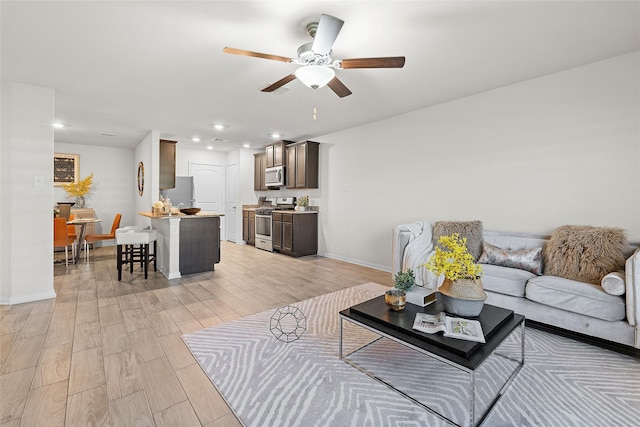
point(180, 215)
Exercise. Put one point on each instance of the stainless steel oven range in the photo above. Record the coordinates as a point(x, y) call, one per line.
point(264, 223)
point(264, 229)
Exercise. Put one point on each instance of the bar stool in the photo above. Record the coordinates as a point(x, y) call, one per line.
point(130, 237)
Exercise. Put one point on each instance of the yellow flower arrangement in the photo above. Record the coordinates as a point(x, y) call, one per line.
point(80, 188)
point(453, 260)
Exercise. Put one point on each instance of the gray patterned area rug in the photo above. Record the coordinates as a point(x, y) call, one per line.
point(268, 382)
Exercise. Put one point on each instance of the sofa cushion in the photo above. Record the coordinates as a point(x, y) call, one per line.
point(577, 297)
point(470, 230)
point(505, 280)
point(585, 253)
point(523, 259)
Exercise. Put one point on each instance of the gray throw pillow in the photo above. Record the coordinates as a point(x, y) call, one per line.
point(471, 230)
point(523, 259)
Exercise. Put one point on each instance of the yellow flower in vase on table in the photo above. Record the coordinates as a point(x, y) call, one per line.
point(461, 291)
point(79, 189)
point(453, 260)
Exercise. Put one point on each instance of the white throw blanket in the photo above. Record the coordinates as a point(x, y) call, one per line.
point(417, 252)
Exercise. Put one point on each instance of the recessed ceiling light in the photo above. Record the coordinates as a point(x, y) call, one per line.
point(58, 125)
point(275, 135)
point(209, 147)
point(218, 126)
point(195, 139)
point(246, 145)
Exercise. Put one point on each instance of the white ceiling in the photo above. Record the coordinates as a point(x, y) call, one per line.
point(124, 68)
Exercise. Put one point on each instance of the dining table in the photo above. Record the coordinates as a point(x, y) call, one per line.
point(82, 222)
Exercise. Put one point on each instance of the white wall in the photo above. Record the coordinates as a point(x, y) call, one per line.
point(148, 152)
point(26, 213)
point(561, 149)
point(184, 156)
point(114, 182)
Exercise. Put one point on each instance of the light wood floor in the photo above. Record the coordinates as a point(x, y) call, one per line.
point(110, 353)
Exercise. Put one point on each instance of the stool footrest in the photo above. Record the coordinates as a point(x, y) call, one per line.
point(136, 252)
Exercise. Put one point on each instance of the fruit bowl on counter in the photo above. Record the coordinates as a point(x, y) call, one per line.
point(190, 211)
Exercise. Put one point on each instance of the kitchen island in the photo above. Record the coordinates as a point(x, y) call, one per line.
point(187, 244)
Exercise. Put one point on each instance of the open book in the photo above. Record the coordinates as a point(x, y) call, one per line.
point(453, 327)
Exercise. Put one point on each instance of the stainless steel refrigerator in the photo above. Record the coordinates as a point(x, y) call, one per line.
point(182, 195)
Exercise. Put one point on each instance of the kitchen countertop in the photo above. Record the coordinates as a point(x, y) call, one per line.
point(294, 212)
point(200, 214)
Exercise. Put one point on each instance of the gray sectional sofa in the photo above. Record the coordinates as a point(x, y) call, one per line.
point(569, 305)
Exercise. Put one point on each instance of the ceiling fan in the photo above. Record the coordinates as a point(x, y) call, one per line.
point(316, 62)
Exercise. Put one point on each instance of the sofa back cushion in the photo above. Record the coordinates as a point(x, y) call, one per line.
point(515, 241)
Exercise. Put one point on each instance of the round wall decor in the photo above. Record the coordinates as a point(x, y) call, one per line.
point(140, 178)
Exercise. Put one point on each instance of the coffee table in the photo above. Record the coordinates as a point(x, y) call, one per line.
point(466, 356)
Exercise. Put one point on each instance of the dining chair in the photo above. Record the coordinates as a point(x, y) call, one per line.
point(92, 238)
point(72, 228)
point(61, 238)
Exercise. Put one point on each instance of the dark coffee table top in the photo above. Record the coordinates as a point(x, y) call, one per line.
point(497, 323)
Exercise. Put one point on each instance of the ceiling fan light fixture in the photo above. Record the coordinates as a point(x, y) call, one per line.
point(315, 76)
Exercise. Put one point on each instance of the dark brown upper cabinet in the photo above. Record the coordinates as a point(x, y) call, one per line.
point(302, 164)
point(276, 154)
point(259, 165)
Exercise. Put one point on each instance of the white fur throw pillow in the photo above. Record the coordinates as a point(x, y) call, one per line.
point(613, 283)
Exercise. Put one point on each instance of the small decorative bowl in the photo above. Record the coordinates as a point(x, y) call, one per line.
point(395, 299)
point(190, 211)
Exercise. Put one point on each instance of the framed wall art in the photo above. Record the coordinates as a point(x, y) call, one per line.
point(66, 168)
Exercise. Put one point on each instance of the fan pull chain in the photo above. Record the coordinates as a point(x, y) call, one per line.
point(315, 102)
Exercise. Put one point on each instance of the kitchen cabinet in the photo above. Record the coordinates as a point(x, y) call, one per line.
point(249, 226)
point(199, 244)
point(295, 234)
point(259, 166)
point(276, 153)
point(167, 164)
point(302, 164)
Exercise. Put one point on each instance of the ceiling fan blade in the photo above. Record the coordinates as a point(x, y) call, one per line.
point(255, 54)
point(326, 34)
point(283, 81)
point(338, 87)
point(387, 62)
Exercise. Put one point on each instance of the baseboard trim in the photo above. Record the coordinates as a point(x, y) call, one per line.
point(384, 268)
point(599, 342)
point(27, 298)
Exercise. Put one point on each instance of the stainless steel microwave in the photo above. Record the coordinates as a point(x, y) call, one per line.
point(274, 177)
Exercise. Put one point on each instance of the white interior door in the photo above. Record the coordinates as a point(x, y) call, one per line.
point(231, 203)
point(208, 186)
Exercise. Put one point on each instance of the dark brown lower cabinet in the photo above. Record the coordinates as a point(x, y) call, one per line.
point(249, 226)
point(199, 244)
point(295, 234)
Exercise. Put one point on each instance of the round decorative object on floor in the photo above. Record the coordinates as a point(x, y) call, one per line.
point(395, 299)
point(80, 201)
point(463, 297)
point(288, 323)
